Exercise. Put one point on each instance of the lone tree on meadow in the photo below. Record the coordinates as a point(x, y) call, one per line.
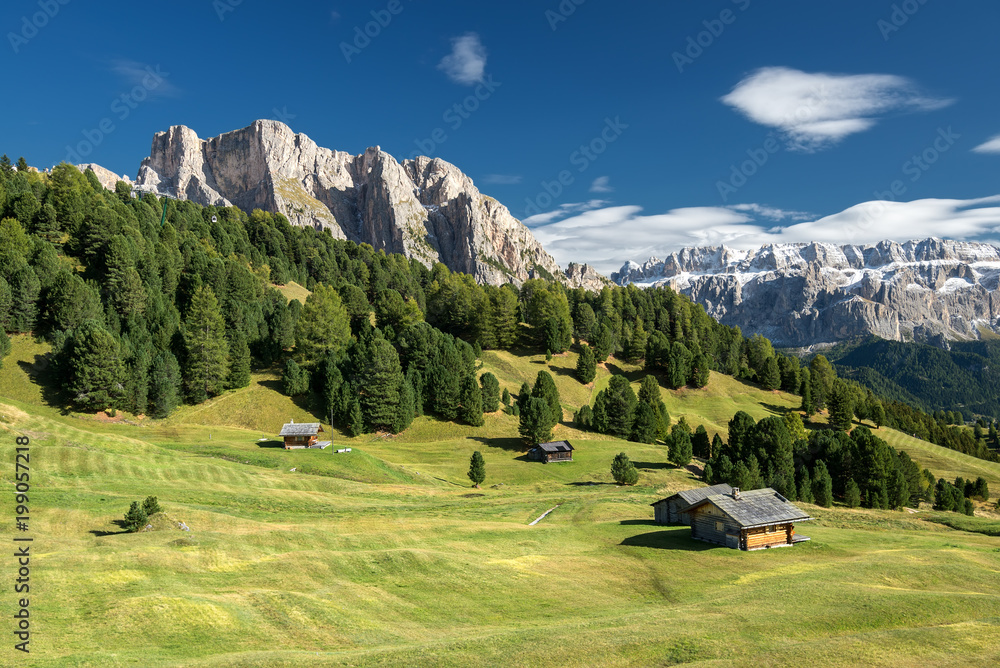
point(477, 469)
point(135, 518)
point(623, 470)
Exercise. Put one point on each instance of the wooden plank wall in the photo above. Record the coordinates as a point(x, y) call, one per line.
point(764, 536)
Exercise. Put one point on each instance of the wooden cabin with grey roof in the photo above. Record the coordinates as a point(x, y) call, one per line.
point(755, 520)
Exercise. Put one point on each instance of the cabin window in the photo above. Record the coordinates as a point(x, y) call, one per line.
point(719, 526)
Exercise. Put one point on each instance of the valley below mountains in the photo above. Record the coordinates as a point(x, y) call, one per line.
point(801, 295)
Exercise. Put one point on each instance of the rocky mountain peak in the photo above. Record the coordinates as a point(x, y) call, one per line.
point(425, 208)
point(804, 294)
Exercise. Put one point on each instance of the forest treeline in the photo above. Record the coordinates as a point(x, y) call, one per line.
point(150, 302)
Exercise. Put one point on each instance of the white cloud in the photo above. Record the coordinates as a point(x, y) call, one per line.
point(601, 185)
point(563, 211)
point(608, 237)
point(154, 79)
point(502, 179)
point(816, 110)
point(770, 212)
point(992, 146)
point(467, 60)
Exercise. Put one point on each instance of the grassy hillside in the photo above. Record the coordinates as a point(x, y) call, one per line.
point(386, 556)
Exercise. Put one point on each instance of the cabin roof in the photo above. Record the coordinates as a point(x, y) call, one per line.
point(758, 507)
point(301, 429)
point(556, 446)
point(691, 496)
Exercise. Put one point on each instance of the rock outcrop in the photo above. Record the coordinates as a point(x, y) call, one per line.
point(107, 178)
point(807, 294)
point(425, 208)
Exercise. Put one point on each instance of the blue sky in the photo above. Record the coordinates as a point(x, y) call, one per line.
point(830, 103)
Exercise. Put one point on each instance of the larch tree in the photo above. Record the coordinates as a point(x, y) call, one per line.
point(586, 365)
point(98, 371)
point(323, 325)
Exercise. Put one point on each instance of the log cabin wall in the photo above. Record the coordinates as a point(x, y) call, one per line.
point(762, 537)
point(711, 524)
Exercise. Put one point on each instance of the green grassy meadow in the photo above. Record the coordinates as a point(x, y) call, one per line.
point(387, 556)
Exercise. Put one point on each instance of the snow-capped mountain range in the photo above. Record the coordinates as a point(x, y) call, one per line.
point(807, 294)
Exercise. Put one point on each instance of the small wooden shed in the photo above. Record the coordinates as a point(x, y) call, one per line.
point(668, 510)
point(557, 451)
point(299, 435)
point(754, 520)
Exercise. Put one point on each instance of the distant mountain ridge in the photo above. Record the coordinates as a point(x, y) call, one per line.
point(816, 293)
point(425, 208)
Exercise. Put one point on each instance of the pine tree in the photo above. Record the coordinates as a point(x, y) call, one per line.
point(355, 420)
point(614, 408)
point(623, 470)
point(533, 423)
point(822, 485)
point(97, 372)
point(407, 407)
point(207, 364)
point(807, 407)
point(877, 414)
point(380, 377)
point(700, 371)
point(649, 393)
point(636, 348)
point(584, 418)
point(717, 446)
point(323, 325)
point(771, 377)
point(471, 399)
point(523, 395)
point(709, 474)
point(164, 385)
point(804, 486)
point(477, 469)
point(679, 453)
point(841, 406)
point(852, 494)
point(239, 362)
point(644, 425)
point(294, 380)
point(701, 446)
point(491, 392)
point(505, 398)
point(151, 506)
point(135, 518)
point(545, 388)
point(586, 365)
point(4, 346)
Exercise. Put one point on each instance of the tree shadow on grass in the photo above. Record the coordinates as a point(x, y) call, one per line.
point(589, 483)
point(670, 539)
point(54, 391)
point(654, 465)
point(563, 371)
point(645, 523)
point(512, 444)
point(270, 444)
point(633, 376)
point(775, 408)
point(118, 523)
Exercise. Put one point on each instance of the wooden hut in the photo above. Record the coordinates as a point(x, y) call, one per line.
point(300, 435)
point(753, 520)
point(668, 510)
point(557, 451)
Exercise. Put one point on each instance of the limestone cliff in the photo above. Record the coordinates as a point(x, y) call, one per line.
point(426, 208)
point(805, 294)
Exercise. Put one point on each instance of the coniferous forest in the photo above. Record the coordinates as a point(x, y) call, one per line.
point(149, 302)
